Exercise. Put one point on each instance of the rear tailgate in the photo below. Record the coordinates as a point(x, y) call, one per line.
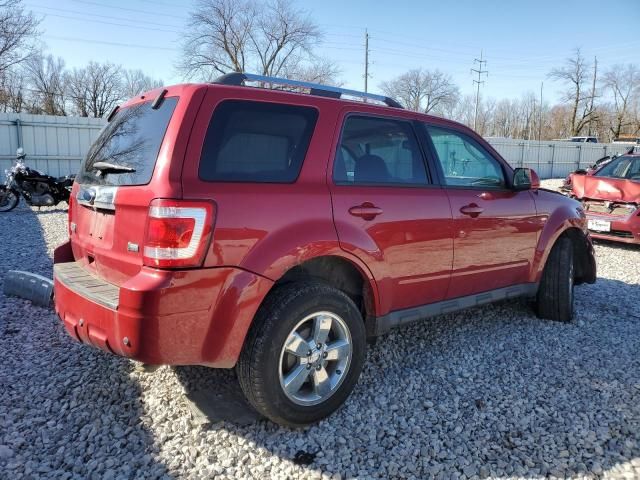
point(109, 207)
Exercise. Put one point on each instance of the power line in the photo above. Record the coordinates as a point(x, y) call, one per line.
point(124, 9)
point(135, 21)
point(104, 42)
point(480, 72)
point(105, 22)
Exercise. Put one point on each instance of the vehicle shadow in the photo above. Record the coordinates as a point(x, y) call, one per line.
point(64, 408)
point(489, 392)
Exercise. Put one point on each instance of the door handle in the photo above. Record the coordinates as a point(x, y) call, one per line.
point(367, 211)
point(472, 210)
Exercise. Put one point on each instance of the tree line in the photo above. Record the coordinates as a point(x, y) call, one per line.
point(274, 38)
point(32, 81)
point(606, 105)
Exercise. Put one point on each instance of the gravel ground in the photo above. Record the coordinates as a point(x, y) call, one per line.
point(490, 392)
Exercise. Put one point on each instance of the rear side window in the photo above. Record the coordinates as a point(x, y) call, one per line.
point(378, 151)
point(256, 142)
point(131, 139)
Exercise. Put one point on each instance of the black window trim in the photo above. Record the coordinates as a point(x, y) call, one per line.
point(270, 182)
point(431, 183)
point(506, 172)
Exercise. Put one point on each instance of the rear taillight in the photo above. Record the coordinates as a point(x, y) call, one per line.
point(178, 233)
point(70, 225)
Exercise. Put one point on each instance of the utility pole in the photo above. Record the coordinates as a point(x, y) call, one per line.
point(593, 91)
point(366, 60)
point(540, 126)
point(480, 72)
point(540, 121)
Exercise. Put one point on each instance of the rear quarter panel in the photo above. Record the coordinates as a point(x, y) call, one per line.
point(268, 228)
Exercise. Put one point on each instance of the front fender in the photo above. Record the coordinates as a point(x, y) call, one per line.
point(564, 218)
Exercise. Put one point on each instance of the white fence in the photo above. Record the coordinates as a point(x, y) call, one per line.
point(553, 159)
point(55, 145)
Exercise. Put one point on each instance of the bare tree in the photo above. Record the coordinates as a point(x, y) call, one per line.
point(236, 35)
point(12, 92)
point(46, 84)
point(135, 82)
point(623, 81)
point(217, 39)
point(505, 120)
point(95, 89)
point(282, 34)
point(17, 30)
point(321, 70)
point(423, 90)
point(575, 73)
point(77, 86)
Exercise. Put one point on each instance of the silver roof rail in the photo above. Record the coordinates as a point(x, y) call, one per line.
point(239, 78)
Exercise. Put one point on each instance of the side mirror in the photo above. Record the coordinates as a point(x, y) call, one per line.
point(525, 179)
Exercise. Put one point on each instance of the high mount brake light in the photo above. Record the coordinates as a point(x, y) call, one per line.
point(177, 233)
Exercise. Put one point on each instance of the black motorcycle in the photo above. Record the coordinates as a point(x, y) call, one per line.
point(37, 189)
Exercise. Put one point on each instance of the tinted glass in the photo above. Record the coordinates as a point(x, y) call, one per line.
point(464, 162)
point(256, 142)
point(378, 151)
point(622, 167)
point(132, 139)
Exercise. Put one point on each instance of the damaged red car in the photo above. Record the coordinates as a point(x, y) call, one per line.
point(611, 199)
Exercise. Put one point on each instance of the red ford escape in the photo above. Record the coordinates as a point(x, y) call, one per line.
point(275, 230)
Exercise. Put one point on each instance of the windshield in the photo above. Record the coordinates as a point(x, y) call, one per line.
point(132, 139)
point(622, 167)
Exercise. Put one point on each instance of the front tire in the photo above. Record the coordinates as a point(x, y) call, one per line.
point(303, 354)
point(555, 293)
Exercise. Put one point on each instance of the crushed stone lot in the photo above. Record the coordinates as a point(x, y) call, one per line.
point(488, 392)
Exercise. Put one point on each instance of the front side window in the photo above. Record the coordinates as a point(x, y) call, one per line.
point(464, 162)
point(256, 142)
point(378, 151)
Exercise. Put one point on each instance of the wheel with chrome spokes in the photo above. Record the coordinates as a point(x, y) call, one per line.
point(303, 354)
point(315, 358)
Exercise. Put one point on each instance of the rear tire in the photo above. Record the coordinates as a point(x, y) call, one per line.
point(289, 370)
point(554, 300)
point(8, 199)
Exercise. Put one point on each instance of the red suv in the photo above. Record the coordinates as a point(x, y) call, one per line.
point(277, 229)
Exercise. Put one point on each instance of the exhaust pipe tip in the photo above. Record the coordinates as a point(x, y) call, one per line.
point(30, 286)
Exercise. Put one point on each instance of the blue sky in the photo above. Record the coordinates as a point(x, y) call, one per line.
point(521, 41)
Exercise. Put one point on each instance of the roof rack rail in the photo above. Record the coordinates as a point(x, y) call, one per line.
point(238, 78)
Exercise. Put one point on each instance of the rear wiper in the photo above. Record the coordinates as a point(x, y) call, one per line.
point(106, 167)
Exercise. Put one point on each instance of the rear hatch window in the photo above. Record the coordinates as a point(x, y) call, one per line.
point(256, 142)
point(131, 140)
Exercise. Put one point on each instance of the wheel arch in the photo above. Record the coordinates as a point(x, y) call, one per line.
point(345, 274)
point(584, 261)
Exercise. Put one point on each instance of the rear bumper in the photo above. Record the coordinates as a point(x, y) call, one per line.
point(623, 229)
point(181, 317)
